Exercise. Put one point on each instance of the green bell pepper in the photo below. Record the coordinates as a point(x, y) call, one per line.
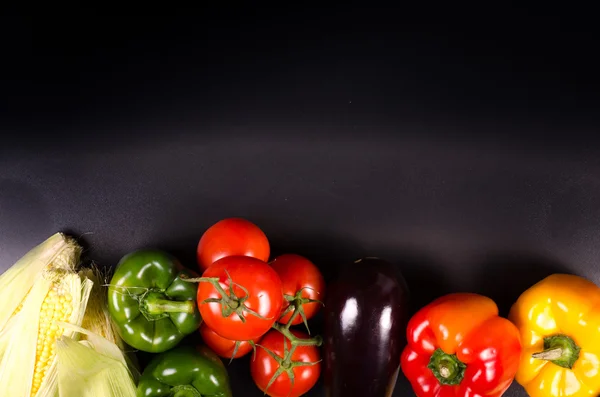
point(185, 372)
point(152, 307)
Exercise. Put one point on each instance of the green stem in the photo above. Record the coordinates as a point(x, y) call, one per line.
point(214, 281)
point(233, 304)
point(159, 306)
point(295, 305)
point(295, 313)
point(294, 341)
point(447, 368)
point(287, 360)
point(185, 391)
point(560, 350)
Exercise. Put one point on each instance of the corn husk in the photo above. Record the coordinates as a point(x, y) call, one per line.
point(97, 319)
point(22, 358)
point(57, 252)
point(93, 367)
point(38, 289)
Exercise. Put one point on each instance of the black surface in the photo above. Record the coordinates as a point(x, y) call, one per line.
point(469, 159)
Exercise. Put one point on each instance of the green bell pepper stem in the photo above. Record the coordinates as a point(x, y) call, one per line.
point(159, 306)
point(186, 391)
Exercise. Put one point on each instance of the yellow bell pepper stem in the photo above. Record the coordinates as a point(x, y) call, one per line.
point(560, 350)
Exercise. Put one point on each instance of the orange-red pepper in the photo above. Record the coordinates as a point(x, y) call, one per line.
point(458, 346)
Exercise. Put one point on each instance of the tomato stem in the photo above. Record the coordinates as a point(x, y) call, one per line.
point(295, 312)
point(214, 281)
point(295, 341)
point(296, 304)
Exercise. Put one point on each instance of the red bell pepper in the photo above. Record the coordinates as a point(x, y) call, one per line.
point(458, 346)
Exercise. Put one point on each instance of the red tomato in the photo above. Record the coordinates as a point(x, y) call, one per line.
point(263, 295)
point(231, 237)
point(263, 367)
point(297, 272)
point(224, 347)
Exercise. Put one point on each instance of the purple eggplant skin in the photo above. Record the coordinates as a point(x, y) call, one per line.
point(365, 319)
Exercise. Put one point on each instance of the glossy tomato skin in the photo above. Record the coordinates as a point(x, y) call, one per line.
point(232, 237)
point(263, 366)
point(297, 272)
point(224, 347)
point(265, 297)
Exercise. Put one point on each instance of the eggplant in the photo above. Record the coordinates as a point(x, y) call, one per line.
point(365, 319)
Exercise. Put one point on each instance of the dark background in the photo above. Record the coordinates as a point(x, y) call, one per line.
point(467, 153)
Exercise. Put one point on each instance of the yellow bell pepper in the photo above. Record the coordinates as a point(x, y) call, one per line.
point(559, 322)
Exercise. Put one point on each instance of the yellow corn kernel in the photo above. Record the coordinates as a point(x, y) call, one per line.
point(55, 308)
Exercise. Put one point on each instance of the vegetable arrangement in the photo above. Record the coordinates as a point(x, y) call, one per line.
point(71, 330)
point(248, 304)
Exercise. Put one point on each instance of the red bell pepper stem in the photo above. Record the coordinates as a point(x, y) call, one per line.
point(447, 368)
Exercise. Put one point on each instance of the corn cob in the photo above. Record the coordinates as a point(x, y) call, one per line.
point(41, 290)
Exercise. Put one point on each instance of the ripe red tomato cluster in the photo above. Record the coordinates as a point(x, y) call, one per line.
point(259, 294)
